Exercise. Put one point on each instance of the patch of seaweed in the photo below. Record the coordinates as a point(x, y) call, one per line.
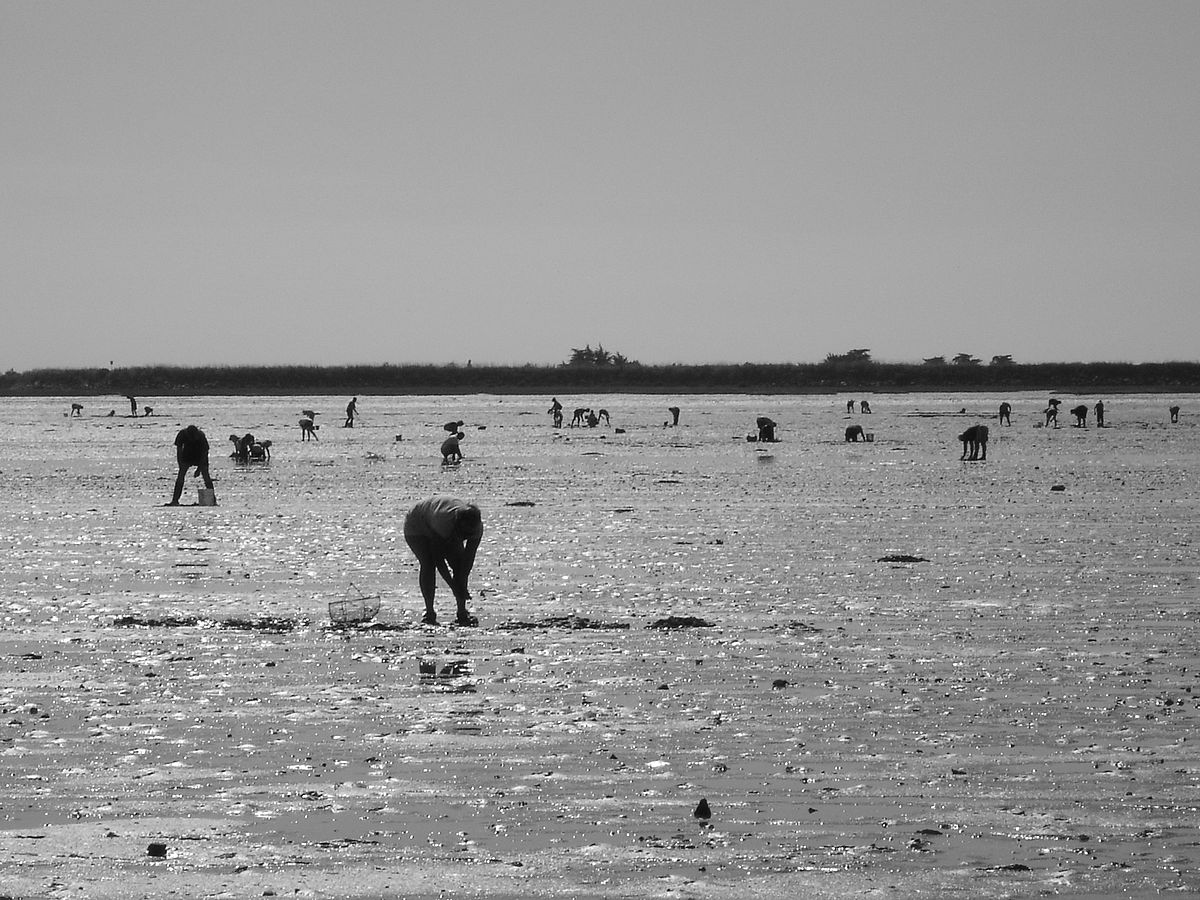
point(273, 624)
point(161, 622)
point(571, 622)
point(372, 626)
point(681, 622)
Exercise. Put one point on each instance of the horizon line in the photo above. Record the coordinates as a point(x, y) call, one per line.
point(453, 364)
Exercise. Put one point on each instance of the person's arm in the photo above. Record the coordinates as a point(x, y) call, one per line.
point(444, 570)
point(469, 549)
point(462, 561)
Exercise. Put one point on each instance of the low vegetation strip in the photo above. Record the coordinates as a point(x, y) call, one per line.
point(781, 378)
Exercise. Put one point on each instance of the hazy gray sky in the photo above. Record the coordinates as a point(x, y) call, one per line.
point(352, 182)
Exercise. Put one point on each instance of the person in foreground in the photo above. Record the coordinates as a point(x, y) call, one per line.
point(444, 533)
point(191, 449)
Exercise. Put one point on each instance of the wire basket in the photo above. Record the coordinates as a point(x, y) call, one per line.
point(355, 610)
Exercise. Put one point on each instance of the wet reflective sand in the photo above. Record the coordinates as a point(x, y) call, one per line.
point(1007, 707)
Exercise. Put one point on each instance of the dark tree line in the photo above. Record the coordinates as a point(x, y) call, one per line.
point(830, 376)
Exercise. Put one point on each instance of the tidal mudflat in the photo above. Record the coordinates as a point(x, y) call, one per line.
point(890, 673)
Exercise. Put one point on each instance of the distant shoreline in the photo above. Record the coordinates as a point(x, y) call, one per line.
point(746, 378)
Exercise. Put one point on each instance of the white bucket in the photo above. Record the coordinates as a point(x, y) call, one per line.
point(208, 497)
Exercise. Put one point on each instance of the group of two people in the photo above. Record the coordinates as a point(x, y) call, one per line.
point(443, 533)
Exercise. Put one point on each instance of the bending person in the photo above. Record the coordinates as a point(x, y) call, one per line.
point(974, 441)
point(451, 451)
point(444, 533)
point(191, 449)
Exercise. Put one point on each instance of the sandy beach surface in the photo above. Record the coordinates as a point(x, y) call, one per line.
point(889, 673)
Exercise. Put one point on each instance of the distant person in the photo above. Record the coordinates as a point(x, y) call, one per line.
point(132, 405)
point(1080, 413)
point(864, 407)
point(974, 441)
point(351, 412)
point(1052, 415)
point(247, 448)
point(766, 429)
point(580, 415)
point(555, 410)
point(444, 533)
point(1006, 413)
point(76, 409)
point(1174, 413)
point(148, 410)
point(191, 449)
point(855, 433)
point(674, 411)
point(451, 452)
point(603, 414)
point(1099, 410)
point(241, 447)
point(850, 407)
point(308, 429)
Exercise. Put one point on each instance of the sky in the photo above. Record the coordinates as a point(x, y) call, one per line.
point(680, 181)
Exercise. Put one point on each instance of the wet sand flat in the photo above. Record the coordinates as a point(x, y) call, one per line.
point(889, 672)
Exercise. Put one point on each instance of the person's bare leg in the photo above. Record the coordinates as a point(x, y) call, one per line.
point(183, 470)
point(427, 579)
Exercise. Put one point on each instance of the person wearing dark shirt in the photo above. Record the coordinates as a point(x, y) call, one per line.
point(191, 449)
